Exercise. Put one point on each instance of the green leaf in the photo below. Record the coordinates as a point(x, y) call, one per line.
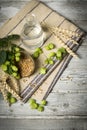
point(13, 37)
point(9, 71)
point(4, 42)
point(3, 56)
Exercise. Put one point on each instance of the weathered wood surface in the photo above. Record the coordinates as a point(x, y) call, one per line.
point(40, 124)
point(67, 107)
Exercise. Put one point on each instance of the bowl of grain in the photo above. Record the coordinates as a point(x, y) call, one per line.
point(26, 64)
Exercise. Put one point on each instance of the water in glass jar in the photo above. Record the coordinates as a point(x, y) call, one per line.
point(32, 33)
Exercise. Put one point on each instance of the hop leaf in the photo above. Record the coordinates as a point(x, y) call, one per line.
point(3, 56)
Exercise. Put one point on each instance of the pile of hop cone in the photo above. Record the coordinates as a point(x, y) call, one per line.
point(61, 34)
point(15, 63)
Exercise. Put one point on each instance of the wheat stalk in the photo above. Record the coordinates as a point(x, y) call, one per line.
point(62, 42)
point(64, 35)
point(65, 31)
point(4, 93)
point(54, 30)
point(7, 87)
point(66, 47)
point(14, 84)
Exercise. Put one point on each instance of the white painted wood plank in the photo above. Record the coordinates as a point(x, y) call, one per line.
point(73, 10)
point(30, 0)
point(60, 101)
point(31, 5)
point(70, 9)
point(59, 104)
point(56, 21)
point(66, 90)
point(74, 7)
point(74, 79)
point(40, 124)
point(81, 23)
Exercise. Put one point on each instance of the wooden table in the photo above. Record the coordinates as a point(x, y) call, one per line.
point(67, 104)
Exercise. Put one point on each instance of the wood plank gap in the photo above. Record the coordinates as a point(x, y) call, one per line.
point(22, 19)
point(5, 27)
point(46, 117)
point(47, 16)
point(70, 92)
point(62, 69)
point(52, 33)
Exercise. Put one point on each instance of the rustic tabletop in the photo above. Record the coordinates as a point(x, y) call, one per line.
point(66, 109)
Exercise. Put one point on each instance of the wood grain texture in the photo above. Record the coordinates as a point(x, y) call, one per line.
point(59, 104)
point(74, 10)
point(52, 124)
point(67, 104)
point(47, 16)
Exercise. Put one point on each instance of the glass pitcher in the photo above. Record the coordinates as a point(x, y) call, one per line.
point(32, 33)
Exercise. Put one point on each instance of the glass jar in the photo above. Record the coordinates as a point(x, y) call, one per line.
point(32, 33)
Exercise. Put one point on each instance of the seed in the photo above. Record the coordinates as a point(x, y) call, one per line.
point(40, 108)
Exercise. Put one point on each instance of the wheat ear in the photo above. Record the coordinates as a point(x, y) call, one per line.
point(65, 46)
point(52, 30)
point(7, 87)
point(15, 85)
point(66, 31)
point(4, 93)
point(65, 36)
